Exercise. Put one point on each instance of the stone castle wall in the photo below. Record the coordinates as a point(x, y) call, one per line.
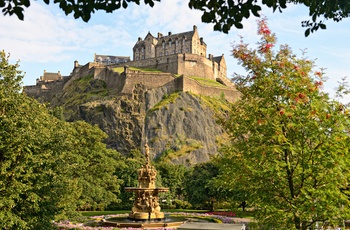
point(43, 92)
point(124, 83)
point(183, 64)
point(149, 79)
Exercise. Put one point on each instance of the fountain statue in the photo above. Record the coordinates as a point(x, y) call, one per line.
point(146, 204)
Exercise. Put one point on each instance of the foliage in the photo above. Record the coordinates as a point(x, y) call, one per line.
point(172, 177)
point(223, 13)
point(199, 187)
point(29, 184)
point(227, 13)
point(93, 165)
point(47, 166)
point(127, 173)
point(289, 150)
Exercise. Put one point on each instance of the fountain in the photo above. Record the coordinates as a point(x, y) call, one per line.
point(146, 205)
point(145, 212)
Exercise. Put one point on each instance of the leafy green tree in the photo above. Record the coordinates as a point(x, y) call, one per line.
point(290, 142)
point(30, 186)
point(172, 177)
point(199, 187)
point(93, 165)
point(48, 168)
point(223, 13)
point(127, 172)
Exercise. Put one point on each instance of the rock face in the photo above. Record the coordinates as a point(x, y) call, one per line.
point(178, 127)
point(183, 131)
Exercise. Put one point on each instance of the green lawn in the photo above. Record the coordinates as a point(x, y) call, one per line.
point(121, 69)
point(208, 82)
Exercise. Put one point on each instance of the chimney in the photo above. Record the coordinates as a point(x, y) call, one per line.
point(194, 28)
point(169, 33)
point(210, 57)
point(160, 35)
point(139, 39)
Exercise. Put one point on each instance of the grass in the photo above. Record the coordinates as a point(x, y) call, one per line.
point(218, 105)
point(167, 99)
point(208, 82)
point(171, 154)
point(121, 69)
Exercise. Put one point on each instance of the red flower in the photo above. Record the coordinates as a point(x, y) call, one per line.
point(265, 48)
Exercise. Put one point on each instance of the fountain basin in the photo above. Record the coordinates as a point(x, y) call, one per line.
point(123, 222)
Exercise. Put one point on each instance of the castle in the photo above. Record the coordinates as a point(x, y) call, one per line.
point(180, 58)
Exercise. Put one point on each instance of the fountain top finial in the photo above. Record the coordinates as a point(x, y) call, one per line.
point(147, 154)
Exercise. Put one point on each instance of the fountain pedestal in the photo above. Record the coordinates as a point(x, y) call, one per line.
point(146, 204)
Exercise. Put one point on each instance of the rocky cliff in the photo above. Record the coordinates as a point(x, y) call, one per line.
point(179, 127)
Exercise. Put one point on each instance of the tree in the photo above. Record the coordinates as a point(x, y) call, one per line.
point(289, 147)
point(30, 186)
point(199, 186)
point(92, 165)
point(127, 173)
point(48, 167)
point(223, 13)
point(172, 177)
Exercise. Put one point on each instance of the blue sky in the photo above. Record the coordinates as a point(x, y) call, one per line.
point(49, 40)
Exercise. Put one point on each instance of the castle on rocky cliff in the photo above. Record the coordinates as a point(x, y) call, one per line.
point(180, 58)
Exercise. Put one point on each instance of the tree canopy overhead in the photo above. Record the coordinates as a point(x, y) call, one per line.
point(222, 13)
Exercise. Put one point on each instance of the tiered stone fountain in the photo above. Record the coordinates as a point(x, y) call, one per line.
point(145, 212)
point(146, 205)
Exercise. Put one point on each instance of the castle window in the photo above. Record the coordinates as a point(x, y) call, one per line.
point(173, 51)
point(142, 50)
point(187, 50)
point(180, 51)
point(177, 42)
point(166, 52)
point(163, 44)
point(143, 56)
point(160, 54)
point(170, 44)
